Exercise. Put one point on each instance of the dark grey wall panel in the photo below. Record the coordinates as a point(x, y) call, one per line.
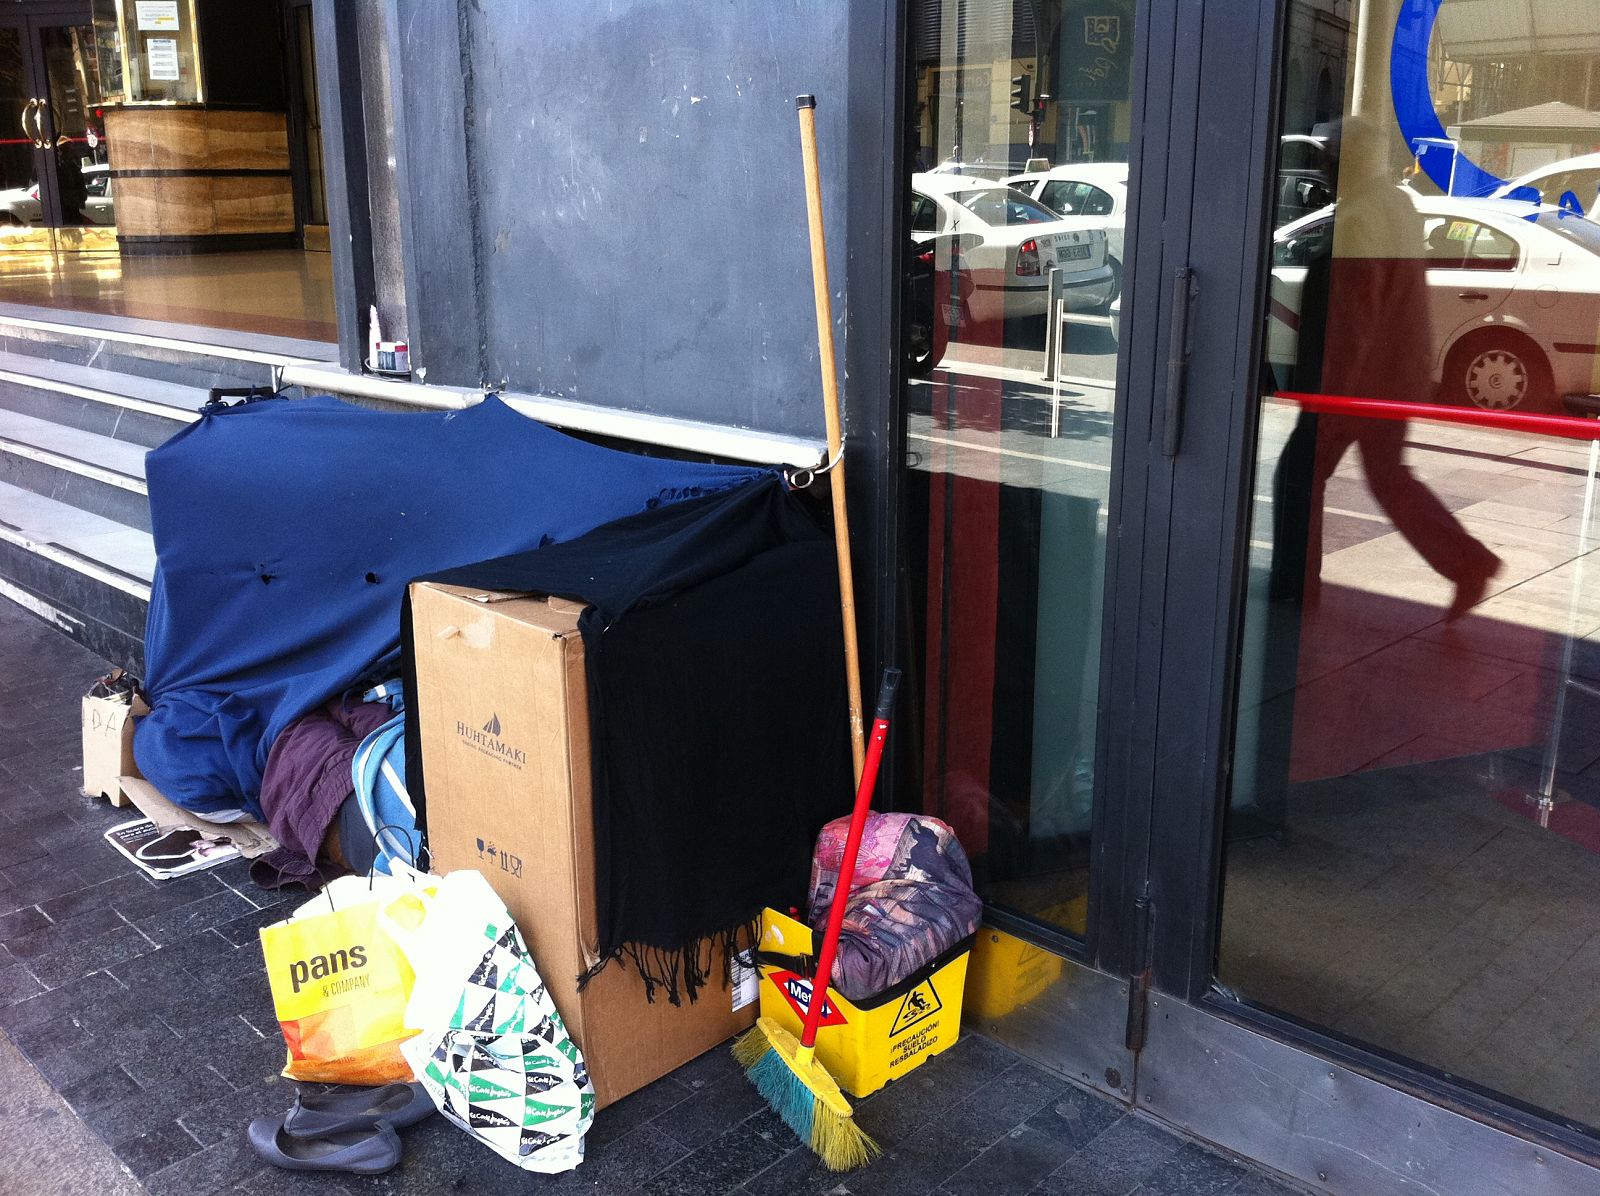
point(442, 294)
point(637, 193)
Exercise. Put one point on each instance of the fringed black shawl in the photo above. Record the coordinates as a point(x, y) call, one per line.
point(717, 711)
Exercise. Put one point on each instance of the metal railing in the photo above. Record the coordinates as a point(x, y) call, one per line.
point(1568, 426)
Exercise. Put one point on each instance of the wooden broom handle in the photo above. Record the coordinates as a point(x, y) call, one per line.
point(830, 408)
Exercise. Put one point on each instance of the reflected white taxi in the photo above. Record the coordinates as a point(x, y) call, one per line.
point(1092, 189)
point(1016, 243)
point(22, 205)
point(1578, 176)
point(1514, 291)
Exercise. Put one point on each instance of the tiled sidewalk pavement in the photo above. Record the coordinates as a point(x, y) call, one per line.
point(145, 1006)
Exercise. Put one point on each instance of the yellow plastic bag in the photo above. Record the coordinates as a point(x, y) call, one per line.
point(340, 985)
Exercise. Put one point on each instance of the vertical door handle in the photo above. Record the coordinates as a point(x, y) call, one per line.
point(1185, 287)
point(27, 132)
point(45, 141)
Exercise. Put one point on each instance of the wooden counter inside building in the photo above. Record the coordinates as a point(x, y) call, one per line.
point(192, 179)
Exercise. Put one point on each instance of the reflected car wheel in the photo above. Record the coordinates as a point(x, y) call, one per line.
point(1499, 373)
point(1116, 285)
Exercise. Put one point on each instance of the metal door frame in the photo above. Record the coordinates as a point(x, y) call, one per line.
point(1174, 430)
point(294, 66)
point(1137, 1014)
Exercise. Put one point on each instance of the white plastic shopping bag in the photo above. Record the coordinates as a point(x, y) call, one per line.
point(493, 1052)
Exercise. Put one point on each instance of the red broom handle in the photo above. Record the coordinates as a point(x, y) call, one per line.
point(852, 848)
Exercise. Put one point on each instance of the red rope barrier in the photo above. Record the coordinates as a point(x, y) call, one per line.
point(1568, 426)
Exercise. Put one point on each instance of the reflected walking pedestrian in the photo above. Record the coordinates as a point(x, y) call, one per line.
point(1365, 333)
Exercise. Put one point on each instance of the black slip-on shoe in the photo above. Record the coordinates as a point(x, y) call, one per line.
point(369, 1151)
point(316, 1116)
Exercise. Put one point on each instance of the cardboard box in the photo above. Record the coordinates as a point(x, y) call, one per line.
point(503, 713)
point(863, 1045)
point(108, 744)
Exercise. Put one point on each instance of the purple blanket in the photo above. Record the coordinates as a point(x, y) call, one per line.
point(306, 780)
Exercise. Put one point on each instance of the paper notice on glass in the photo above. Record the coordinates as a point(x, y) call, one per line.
point(157, 16)
point(162, 55)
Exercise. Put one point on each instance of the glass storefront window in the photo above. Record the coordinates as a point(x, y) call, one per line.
point(1414, 831)
point(1018, 196)
point(148, 51)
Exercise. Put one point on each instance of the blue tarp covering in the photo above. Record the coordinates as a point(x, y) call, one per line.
point(286, 532)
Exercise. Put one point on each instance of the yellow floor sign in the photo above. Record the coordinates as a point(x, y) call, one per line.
point(863, 1046)
point(920, 1002)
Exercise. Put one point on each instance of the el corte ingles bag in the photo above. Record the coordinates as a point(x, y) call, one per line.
point(492, 1051)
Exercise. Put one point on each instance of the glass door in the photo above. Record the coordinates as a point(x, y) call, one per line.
point(1414, 859)
point(1022, 118)
point(1247, 585)
point(54, 172)
point(22, 154)
point(71, 130)
point(1078, 228)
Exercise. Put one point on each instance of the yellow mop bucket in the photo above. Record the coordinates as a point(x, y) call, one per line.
point(866, 1045)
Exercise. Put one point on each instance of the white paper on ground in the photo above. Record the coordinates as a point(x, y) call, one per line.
point(127, 838)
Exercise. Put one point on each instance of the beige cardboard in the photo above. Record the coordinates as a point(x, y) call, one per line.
point(502, 709)
point(108, 745)
point(251, 838)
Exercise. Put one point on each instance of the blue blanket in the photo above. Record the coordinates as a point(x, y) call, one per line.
point(286, 533)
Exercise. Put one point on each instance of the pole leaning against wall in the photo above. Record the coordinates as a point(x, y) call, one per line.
point(830, 400)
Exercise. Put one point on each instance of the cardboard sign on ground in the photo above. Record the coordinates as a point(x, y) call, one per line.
point(502, 708)
point(251, 838)
point(108, 744)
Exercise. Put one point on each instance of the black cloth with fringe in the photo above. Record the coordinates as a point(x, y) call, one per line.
point(718, 717)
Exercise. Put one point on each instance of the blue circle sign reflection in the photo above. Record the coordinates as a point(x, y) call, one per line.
point(1451, 171)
